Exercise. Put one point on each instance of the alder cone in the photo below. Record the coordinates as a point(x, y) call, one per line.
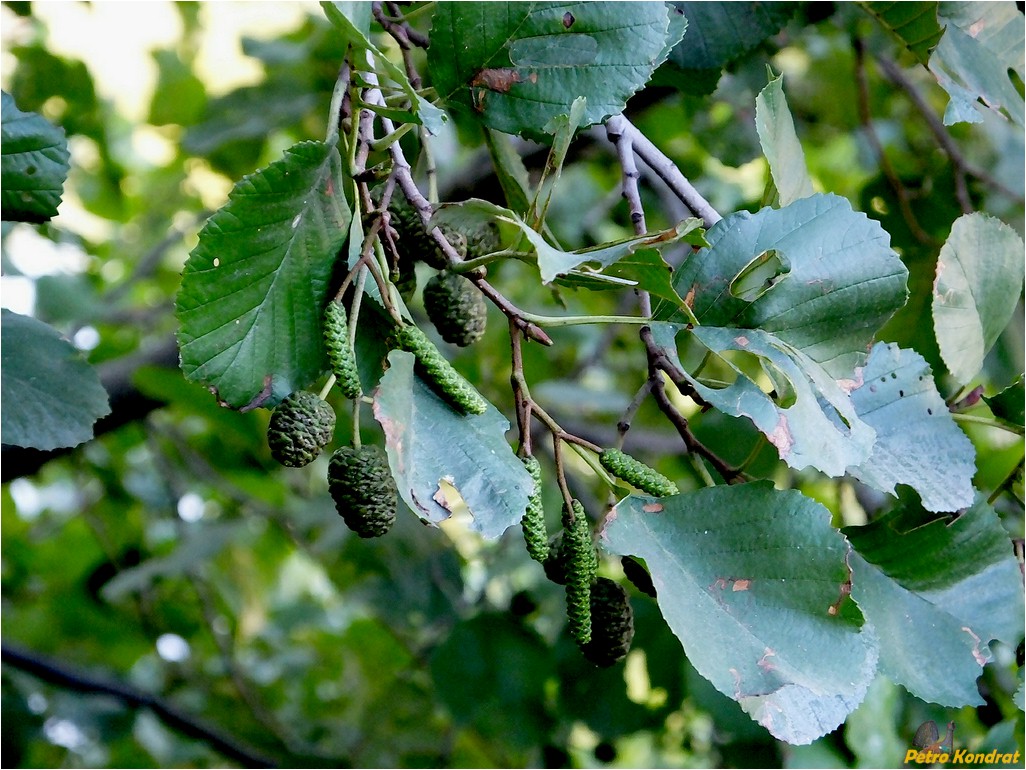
point(612, 623)
point(363, 489)
point(456, 308)
point(300, 427)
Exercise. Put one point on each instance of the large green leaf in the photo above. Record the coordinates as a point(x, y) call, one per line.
point(33, 164)
point(834, 283)
point(518, 65)
point(255, 286)
point(51, 397)
point(936, 594)
point(780, 144)
point(717, 34)
point(752, 581)
point(811, 422)
point(913, 23)
point(979, 280)
point(981, 43)
point(917, 441)
point(428, 443)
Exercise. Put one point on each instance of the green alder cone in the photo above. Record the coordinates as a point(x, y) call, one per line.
point(612, 623)
point(533, 522)
point(300, 427)
point(438, 372)
point(340, 354)
point(456, 308)
point(415, 242)
point(636, 473)
point(581, 564)
point(363, 489)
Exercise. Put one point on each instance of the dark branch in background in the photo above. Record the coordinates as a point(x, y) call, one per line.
point(58, 674)
point(945, 140)
point(127, 404)
point(866, 121)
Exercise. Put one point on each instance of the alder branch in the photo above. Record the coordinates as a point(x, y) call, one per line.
point(49, 670)
point(665, 169)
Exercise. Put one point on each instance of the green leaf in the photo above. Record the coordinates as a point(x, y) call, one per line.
point(649, 271)
point(780, 143)
point(428, 443)
point(979, 280)
point(838, 280)
point(917, 440)
point(981, 42)
point(752, 581)
point(179, 96)
point(353, 20)
point(51, 396)
point(871, 732)
point(254, 288)
point(718, 33)
point(914, 24)
point(509, 169)
point(518, 65)
point(936, 594)
point(1008, 405)
point(33, 164)
point(812, 422)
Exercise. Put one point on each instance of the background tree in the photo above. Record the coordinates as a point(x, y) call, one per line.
point(679, 266)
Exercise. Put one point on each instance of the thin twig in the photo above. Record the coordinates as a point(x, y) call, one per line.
point(945, 140)
point(665, 169)
point(59, 674)
point(865, 119)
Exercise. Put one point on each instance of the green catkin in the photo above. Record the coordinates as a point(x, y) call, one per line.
point(439, 372)
point(456, 307)
point(636, 473)
point(363, 489)
point(533, 522)
point(299, 428)
point(581, 564)
point(340, 354)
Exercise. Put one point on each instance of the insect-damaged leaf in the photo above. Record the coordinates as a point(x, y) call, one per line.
point(843, 280)
point(254, 288)
point(518, 65)
point(753, 581)
point(917, 441)
point(428, 443)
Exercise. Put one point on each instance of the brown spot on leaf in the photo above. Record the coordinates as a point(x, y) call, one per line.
point(260, 398)
point(742, 341)
point(781, 436)
point(499, 79)
point(568, 20)
point(652, 507)
point(689, 300)
point(741, 585)
point(981, 657)
point(834, 608)
point(764, 662)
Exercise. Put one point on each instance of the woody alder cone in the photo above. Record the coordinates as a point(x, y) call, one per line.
point(300, 428)
point(362, 487)
point(456, 308)
point(612, 623)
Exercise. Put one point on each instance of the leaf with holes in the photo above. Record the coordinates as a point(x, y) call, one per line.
point(51, 396)
point(753, 582)
point(33, 164)
point(518, 65)
point(978, 283)
point(837, 279)
point(917, 441)
point(937, 592)
point(809, 419)
point(254, 288)
point(981, 43)
point(429, 445)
